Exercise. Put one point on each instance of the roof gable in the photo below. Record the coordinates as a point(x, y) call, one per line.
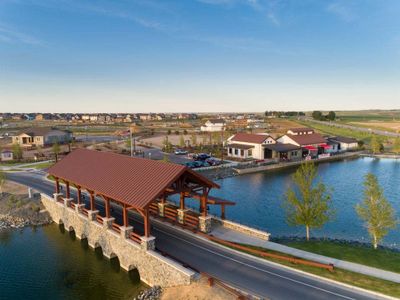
point(250, 138)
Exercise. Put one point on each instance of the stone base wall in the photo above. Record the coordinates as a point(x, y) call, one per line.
point(241, 228)
point(154, 269)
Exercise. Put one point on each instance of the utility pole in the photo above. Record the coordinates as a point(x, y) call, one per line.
point(222, 144)
point(130, 130)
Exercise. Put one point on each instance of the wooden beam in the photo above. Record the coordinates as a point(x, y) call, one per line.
point(107, 201)
point(182, 200)
point(223, 212)
point(146, 223)
point(91, 200)
point(57, 186)
point(68, 192)
point(79, 195)
point(125, 216)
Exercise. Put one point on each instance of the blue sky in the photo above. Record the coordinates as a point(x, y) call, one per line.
point(199, 55)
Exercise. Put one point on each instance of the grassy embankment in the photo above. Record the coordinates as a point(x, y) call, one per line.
point(379, 259)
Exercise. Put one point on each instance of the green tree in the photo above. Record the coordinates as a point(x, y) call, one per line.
point(376, 145)
point(331, 116)
point(317, 115)
point(56, 150)
point(396, 146)
point(2, 181)
point(17, 151)
point(376, 212)
point(308, 203)
point(165, 158)
point(169, 132)
point(181, 141)
point(167, 146)
point(193, 139)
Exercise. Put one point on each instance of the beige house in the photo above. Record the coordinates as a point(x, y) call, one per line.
point(248, 146)
point(41, 137)
point(6, 155)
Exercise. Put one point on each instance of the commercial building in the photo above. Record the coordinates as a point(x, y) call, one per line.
point(41, 136)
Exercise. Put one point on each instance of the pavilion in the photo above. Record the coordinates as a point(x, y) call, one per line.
point(137, 184)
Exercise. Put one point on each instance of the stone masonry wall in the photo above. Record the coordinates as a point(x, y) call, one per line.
point(241, 228)
point(154, 269)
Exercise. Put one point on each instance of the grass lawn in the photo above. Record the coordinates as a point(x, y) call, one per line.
point(42, 165)
point(380, 258)
point(351, 278)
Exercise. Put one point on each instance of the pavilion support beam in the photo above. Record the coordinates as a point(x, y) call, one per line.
point(146, 223)
point(125, 215)
point(107, 202)
point(91, 200)
point(223, 212)
point(57, 186)
point(182, 201)
point(79, 196)
point(68, 191)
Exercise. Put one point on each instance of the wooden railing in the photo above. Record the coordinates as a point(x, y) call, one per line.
point(72, 205)
point(84, 211)
point(329, 267)
point(99, 219)
point(170, 213)
point(115, 227)
point(153, 209)
point(213, 280)
point(135, 237)
point(191, 221)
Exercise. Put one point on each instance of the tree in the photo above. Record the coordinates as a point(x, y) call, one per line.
point(376, 145)
point(376, 212)
point(181, 141)
point(2, 181)
point(309, 202)
point(169, 132)
point(56, 150)
point(165, 158)
point(331, 116)
point(17, 151)
point(167, 145)
point(193, 139)
point(317, 115)
point(396, 146)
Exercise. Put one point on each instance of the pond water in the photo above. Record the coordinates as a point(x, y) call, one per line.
point(259, 198)
point(49, 263)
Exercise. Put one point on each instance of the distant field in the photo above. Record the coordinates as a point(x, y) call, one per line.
point(390, 126)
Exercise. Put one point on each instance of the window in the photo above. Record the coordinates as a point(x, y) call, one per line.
point(249, 152)
point(236, 152)
point(230, 150)
point(242, 152)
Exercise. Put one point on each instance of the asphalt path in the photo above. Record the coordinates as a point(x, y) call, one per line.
point(252, 275)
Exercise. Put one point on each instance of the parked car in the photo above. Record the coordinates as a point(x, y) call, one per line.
point(213, 162)
point(180, 152)
point(201, 156)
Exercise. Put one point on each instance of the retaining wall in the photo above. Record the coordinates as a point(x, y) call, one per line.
point(154, 269)
point(241, 228)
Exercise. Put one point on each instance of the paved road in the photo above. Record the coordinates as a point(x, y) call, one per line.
point(251, 275)
point(357, 128)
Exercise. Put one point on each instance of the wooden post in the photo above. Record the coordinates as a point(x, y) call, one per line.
point(79, 195)
point(91, 200)
point(222, 211)
point(182, 201)
point(57, 186)
point(163, 199)
point(68, 193)
point(107, 208)
point(146, 223)
point(203, 200)
point(125, 216)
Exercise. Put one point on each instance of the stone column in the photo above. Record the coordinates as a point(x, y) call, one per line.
point(55, 196)
point(205, 224)
point(161, 207)
point(92, 214)
point(181, 215)
point(79, 207)
point(126, 231)
point(67, 202)
point(148, 243)
point(107, 222)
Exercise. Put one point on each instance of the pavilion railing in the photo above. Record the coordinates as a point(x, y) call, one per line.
point(135, 237)
point(84, 211)
point(191, 221)
point(99, 219)
point(72, 205)
point(116, 227)
point(153, 208)
point(170, 213)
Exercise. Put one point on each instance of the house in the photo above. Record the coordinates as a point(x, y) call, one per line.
point(213, 125)
point(6, 155)
point(344, 143)
point(248, 146)
point(41, 136)
point(312, 144)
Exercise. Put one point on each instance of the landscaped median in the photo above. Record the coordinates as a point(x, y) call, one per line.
point(347, 277)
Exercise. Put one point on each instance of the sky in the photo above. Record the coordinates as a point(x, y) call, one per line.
point(199, 55)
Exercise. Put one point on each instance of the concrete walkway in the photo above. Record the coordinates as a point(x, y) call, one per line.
point(238, 237)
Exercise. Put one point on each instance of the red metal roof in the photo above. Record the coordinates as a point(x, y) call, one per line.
point(308, 139)
point(249, 138)
point(130, 180)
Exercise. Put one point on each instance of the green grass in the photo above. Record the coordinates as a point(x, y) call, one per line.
point(344, 276)
point(381, 258)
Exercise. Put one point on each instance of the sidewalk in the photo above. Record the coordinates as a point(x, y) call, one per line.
point(238, 237)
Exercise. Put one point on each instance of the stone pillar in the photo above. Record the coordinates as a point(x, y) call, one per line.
point(148, 243)
point(92, 215)
point(126, 231)
point(205, 224)
point(161, 207)
point(67, 202)
point(181, 215)
point(56, 195)
point(78, 208)
point(107, 222)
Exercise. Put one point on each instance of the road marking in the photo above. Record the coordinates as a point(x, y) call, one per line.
point(259, 269)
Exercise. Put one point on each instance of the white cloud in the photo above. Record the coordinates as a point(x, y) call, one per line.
point(342, 10)
point(9, 35)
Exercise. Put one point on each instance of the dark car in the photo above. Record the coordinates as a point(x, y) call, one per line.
point(213, 162)
point(201, 156)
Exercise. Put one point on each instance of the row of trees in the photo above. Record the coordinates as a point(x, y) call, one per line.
point(309, 204)
point(318, 115)
point(279, 114)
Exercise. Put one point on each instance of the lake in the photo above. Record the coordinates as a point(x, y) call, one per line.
point(259, 198)
point(49, 263)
